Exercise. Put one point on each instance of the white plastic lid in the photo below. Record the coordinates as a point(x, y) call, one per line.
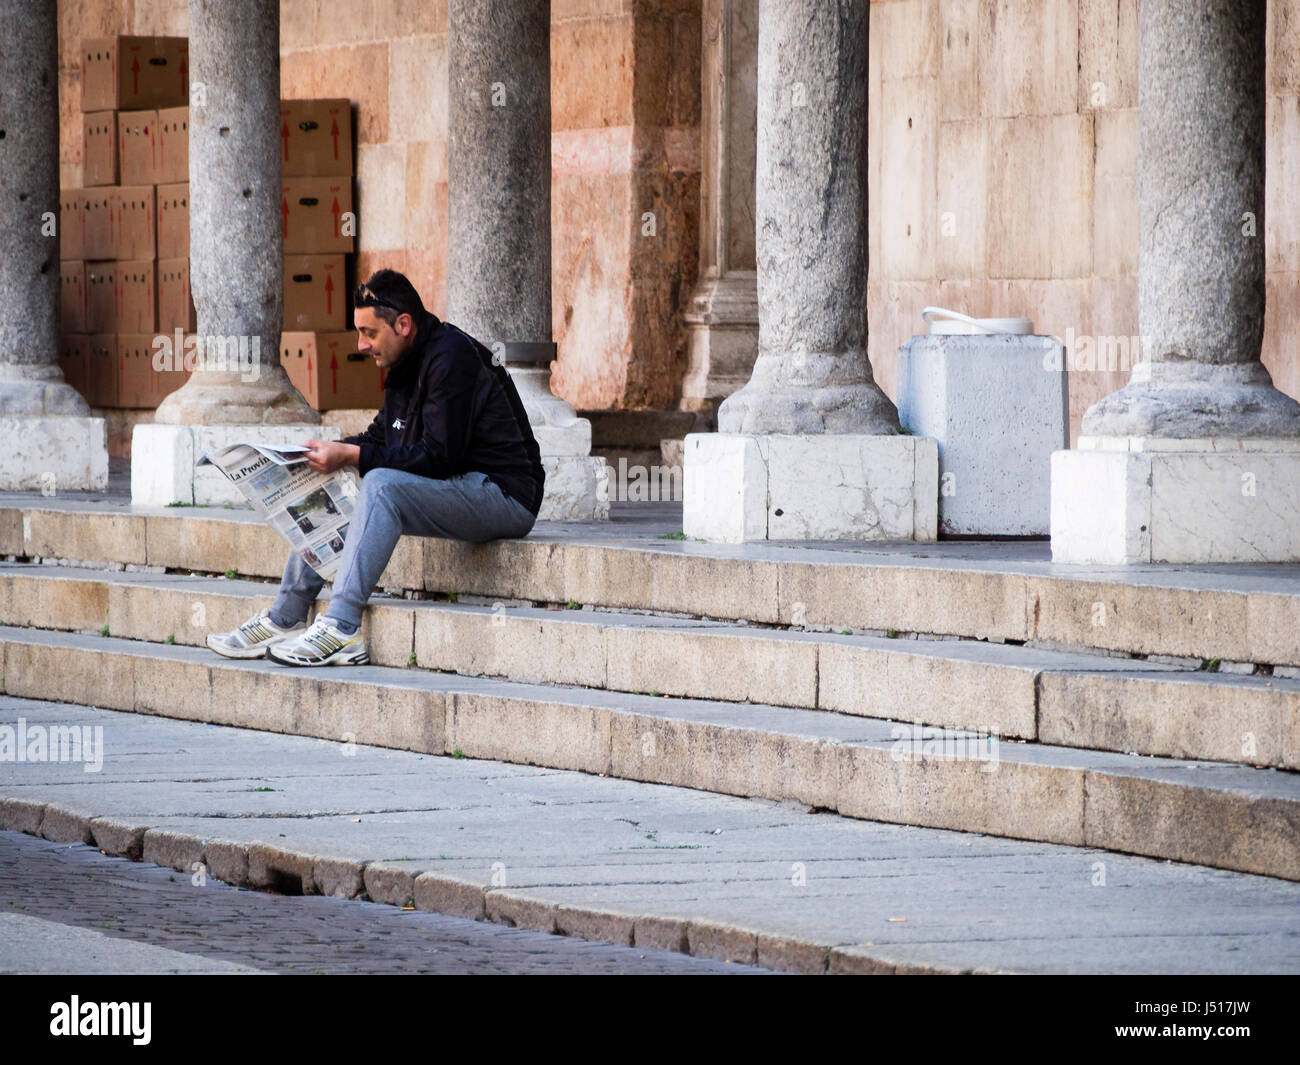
point(954, 323)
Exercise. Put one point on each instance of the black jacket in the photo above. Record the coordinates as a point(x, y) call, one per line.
point(448, 409)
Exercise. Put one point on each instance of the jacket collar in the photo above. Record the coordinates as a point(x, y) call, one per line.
point(407, 368)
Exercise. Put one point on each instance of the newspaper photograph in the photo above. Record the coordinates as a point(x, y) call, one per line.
point(311, 510)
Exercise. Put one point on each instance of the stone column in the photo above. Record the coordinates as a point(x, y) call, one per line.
point(809, 448)
point(722, 317)
point(236, 262)
point(499, 225)
point(50, 440)
point(1190, 458)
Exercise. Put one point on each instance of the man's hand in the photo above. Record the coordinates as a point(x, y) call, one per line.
point(326, 456)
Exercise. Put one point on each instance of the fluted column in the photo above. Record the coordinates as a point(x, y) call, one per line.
point(1201, 224)
point(236, 244)
point(722, 316)
point(499, 225)
point(812, 374)
point(49, 439)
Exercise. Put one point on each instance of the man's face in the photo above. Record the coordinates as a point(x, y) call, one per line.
point(383, 342)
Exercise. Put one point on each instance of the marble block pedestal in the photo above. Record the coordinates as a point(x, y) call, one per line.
point(49, 453)
point(163, 458)
point(831, 486)
point(1119, 500)
point(998, 408)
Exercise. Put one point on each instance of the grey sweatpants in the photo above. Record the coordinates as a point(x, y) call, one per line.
point(392, 502)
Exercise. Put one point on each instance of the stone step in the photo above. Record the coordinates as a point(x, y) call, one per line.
point(999, 592)
point(745, 880)
point(1069, 699)
point(1212, 814)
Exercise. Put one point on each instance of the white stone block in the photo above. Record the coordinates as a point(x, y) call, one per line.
point(791, 487)
point(163, 459)
point(1117, 501)
point(577, 489)
point(997, 406)
point(51, 453)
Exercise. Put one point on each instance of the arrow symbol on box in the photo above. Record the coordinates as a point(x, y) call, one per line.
point(334, 372)
point(135, 75)
point(334, 210)
point(329, 293)
point(334, 134)
point(284, 136)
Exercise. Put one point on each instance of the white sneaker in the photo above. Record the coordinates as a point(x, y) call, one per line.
point(253, 637)
point(321, 645)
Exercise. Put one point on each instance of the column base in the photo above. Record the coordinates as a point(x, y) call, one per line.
point(1119, 500)
point(577, 489)
point(742, 487)
point(163, 458)
point(49, 453)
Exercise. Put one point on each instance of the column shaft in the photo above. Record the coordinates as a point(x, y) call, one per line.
point(236, 241)
point(1201, 98)
point(499, 170)
point(31, 382)
point(812, 374)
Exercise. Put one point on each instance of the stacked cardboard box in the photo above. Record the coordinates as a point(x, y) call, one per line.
point(318, 348)
point(115, 250)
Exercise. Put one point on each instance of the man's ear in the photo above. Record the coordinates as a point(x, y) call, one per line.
point(407, 324)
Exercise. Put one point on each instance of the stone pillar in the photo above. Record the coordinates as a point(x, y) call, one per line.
point(722, 317)
point(236, 263)
point(1197, 458)
point(50, 440)
point(499, 226)
point(809, 448)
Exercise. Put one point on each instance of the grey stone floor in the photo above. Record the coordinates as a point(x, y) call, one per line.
point(903, 895)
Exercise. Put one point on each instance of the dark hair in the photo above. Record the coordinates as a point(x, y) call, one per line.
point(390, 294)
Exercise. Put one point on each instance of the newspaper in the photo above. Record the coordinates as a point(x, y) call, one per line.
point(311, 510)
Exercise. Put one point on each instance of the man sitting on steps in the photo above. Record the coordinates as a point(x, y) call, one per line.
point(450, 454)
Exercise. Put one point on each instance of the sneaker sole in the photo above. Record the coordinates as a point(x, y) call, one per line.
point(361, 659)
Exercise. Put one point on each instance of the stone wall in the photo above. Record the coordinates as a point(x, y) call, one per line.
point(1003, 144)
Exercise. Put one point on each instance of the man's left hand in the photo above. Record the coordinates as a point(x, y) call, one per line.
point(326, 456)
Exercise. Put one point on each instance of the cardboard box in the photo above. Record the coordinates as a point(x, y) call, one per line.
point(135, 291)
point(72, 296)
point(315, 293)
point(101, 297)
point(138, 147)
point(74, 361)
point(133, 230)
point(315, 138)
point(174, 145)
point(99, 156)
point(329, 371)
point(174, 221)
point(72, 224)
point(101, 370)
point(175, 303)
point(132, 73)
point(97, 225)
point(317, 214)
point(140, 382)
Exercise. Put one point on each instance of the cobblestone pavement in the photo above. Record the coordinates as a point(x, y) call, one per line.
point(75, 885)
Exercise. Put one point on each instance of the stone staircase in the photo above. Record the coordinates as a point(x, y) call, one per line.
point(963, 686)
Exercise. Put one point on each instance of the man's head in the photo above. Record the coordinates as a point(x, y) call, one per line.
point(387, 315)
